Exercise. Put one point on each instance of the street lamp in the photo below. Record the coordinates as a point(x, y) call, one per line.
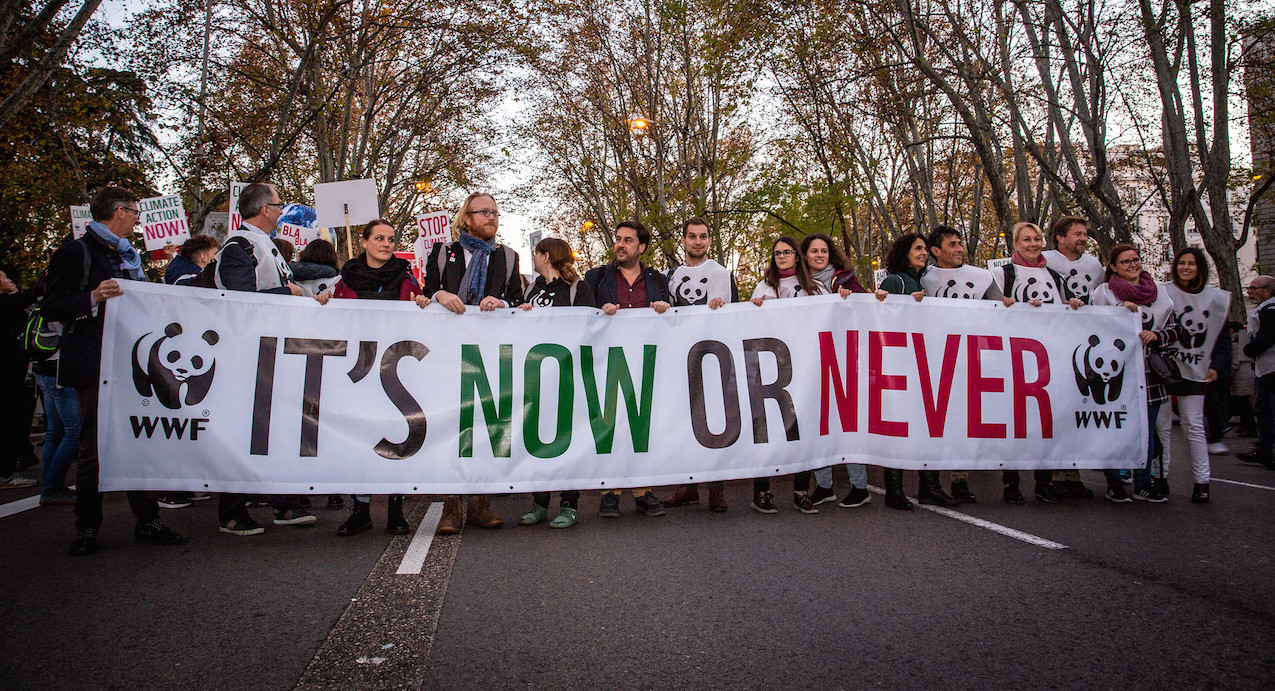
point(639, 125)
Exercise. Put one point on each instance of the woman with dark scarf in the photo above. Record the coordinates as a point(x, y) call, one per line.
point(376, 274)
point(1129, 286)
point(557, 285)
point(905, 264)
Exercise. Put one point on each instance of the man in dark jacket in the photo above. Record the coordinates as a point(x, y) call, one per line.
point(193, 256)
point(79, 300)
point(477, 271)
point(627, 283)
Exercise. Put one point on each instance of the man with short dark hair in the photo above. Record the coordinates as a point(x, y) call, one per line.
point(83, 275)
point(1261, 339)
point(627, 283)
point(194, 255)
point(699, 280)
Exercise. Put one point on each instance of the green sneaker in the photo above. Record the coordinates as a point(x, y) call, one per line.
point(565, 519)
point(537, 514)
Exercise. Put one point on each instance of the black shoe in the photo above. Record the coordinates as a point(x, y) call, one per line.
point(1162, 485)
point(801, 502)
point(85, 543)
point(649, 504)
point(857, 496)
point(395, 523)
point(335, 502)
point(961, 492)
point(610, 506)
point(242, 525)
point(179, 500)
point(360, 519)
point(822, 495)
point(1013, 495)
point(1200, 495)
point(899, 500)
point(936, 496)
point(156, 533)
point(1149, 494)
point(1045, 492)
point(1255, 457)
point(1117, 494)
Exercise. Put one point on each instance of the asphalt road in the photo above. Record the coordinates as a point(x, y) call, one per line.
point(1143, 596)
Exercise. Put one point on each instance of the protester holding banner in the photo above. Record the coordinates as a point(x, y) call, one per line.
point(627, 283)
point(193, 256)
point(475, 270)
point(830, 266)
point(699, 280)
point(1128, 285)
point(376, 274)
point(786, 276)
point(557, 285)
point(13, 371)
point(78, 296)
point(316, 268)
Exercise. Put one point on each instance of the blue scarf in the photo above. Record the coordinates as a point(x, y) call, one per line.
point(132, 261)
point(474, 282)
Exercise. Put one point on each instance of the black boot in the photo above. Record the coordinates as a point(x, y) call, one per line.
point(360, 519)
point(961, 490)
point(1201, 493)
point(894, 496)
point(395, 524)
point(931, 490)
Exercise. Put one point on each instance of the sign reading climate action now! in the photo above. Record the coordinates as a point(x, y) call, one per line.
point(239, 392)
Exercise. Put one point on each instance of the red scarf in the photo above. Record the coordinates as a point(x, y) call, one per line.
point(1022, 261)
point(787, 273)
point(1141, 293)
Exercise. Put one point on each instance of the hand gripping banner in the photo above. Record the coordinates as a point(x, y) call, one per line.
point(237, 392)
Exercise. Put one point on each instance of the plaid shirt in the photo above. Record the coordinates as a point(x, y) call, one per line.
point(1157, 392)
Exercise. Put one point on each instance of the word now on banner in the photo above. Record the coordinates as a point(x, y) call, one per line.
point(240, 392)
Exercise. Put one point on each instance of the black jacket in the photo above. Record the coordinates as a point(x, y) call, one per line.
point(601, 280)
point(558, 294)
point(80, 351)
point(502, 283)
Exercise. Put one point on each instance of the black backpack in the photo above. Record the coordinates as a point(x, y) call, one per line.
point(41, 338)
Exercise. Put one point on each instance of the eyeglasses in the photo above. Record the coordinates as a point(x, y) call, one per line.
point(1130, 262)
point(1258, 288)
point(129, 208)
point(278, 204)
point(488, 213)
point(784, 253)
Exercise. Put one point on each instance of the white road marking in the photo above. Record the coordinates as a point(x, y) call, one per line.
point(1241, 484)
point(994, 527)
point(16, 507)
point(414, 558)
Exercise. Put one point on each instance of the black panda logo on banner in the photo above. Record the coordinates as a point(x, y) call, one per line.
point(165, 364)
point(1099, 369)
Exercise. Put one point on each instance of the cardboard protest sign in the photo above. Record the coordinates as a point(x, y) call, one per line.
point(999, 261)
point(80, 217)
point(299, 236)
point(235, 219)
point(432, 228)
point(163, 221)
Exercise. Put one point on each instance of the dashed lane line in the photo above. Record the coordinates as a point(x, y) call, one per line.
point(988, 525)
point(414, 558)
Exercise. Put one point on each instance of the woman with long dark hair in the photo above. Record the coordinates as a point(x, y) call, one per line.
point(557, 285)
point(1202, 352)
point(376, 274)
point(1128, 285)
point(786, 276)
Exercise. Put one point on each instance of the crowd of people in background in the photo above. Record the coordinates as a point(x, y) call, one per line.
point(476, 271)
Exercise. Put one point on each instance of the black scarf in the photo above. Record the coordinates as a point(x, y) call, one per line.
point(375, 284)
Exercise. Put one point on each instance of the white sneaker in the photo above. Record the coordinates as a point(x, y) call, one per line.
point(1217, 448)
point(15, 481)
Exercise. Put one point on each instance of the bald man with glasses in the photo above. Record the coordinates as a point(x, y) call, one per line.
point(1261, 332)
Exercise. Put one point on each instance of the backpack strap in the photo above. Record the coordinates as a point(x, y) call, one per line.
point(510, 259)
point(1010, 274)
point(84, 274)
point(571, 300)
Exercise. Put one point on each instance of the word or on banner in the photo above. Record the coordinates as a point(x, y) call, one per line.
point(241, 392)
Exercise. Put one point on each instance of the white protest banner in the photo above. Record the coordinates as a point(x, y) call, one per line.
point(270, 394)
point(236, 188)
point(163, 221)
point(80, 217)
point(432, 228)
point(299, 236)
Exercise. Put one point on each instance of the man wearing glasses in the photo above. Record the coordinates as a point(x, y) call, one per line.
point(1261, 333)
point(248, 261)
point(476, 271)
point(83, 275)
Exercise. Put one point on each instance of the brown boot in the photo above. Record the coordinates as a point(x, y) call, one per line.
point(683, 495)
point(453, 516)
point(716, 500)
point(480, 513)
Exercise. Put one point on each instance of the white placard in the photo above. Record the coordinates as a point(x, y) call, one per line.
point(80, 218)
point(249, 392)
point(164, 222)
point(999, 261)
point(333, 199)
point(299, 236)
point(236, 188)
point(432, 228)
point(533, 239)
point(878, 276)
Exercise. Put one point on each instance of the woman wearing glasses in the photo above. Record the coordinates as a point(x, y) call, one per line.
point(1128, 285)
point(787, 276)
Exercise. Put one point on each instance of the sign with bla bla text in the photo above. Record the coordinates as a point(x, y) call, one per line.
point(80, 217)
point(299, 236)
point(164, 222)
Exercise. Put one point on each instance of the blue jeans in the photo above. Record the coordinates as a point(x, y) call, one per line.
point(1264, 413)
point(1141, 476)
point(62, 433)
point(858, 476)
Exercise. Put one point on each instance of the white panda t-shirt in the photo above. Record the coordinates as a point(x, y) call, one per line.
point(1201, 316)
point(696, 285)
point(965, 282)
point(1080, 277)
point(788, 288)
point(1030, 283)
point(1154, 316)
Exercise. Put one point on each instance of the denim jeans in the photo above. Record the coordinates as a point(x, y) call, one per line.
point(858, 476)
point(1141, 476)
point(62, 436)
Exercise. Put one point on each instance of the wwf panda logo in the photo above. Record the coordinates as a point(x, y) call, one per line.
point(1099, 369)
point(174, 367)
point(1078, 283)
point(1034, 289)
point(543, 299)
point(957, 289)
point(691, 292)
point(1148, 319)
point(1194, 325)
